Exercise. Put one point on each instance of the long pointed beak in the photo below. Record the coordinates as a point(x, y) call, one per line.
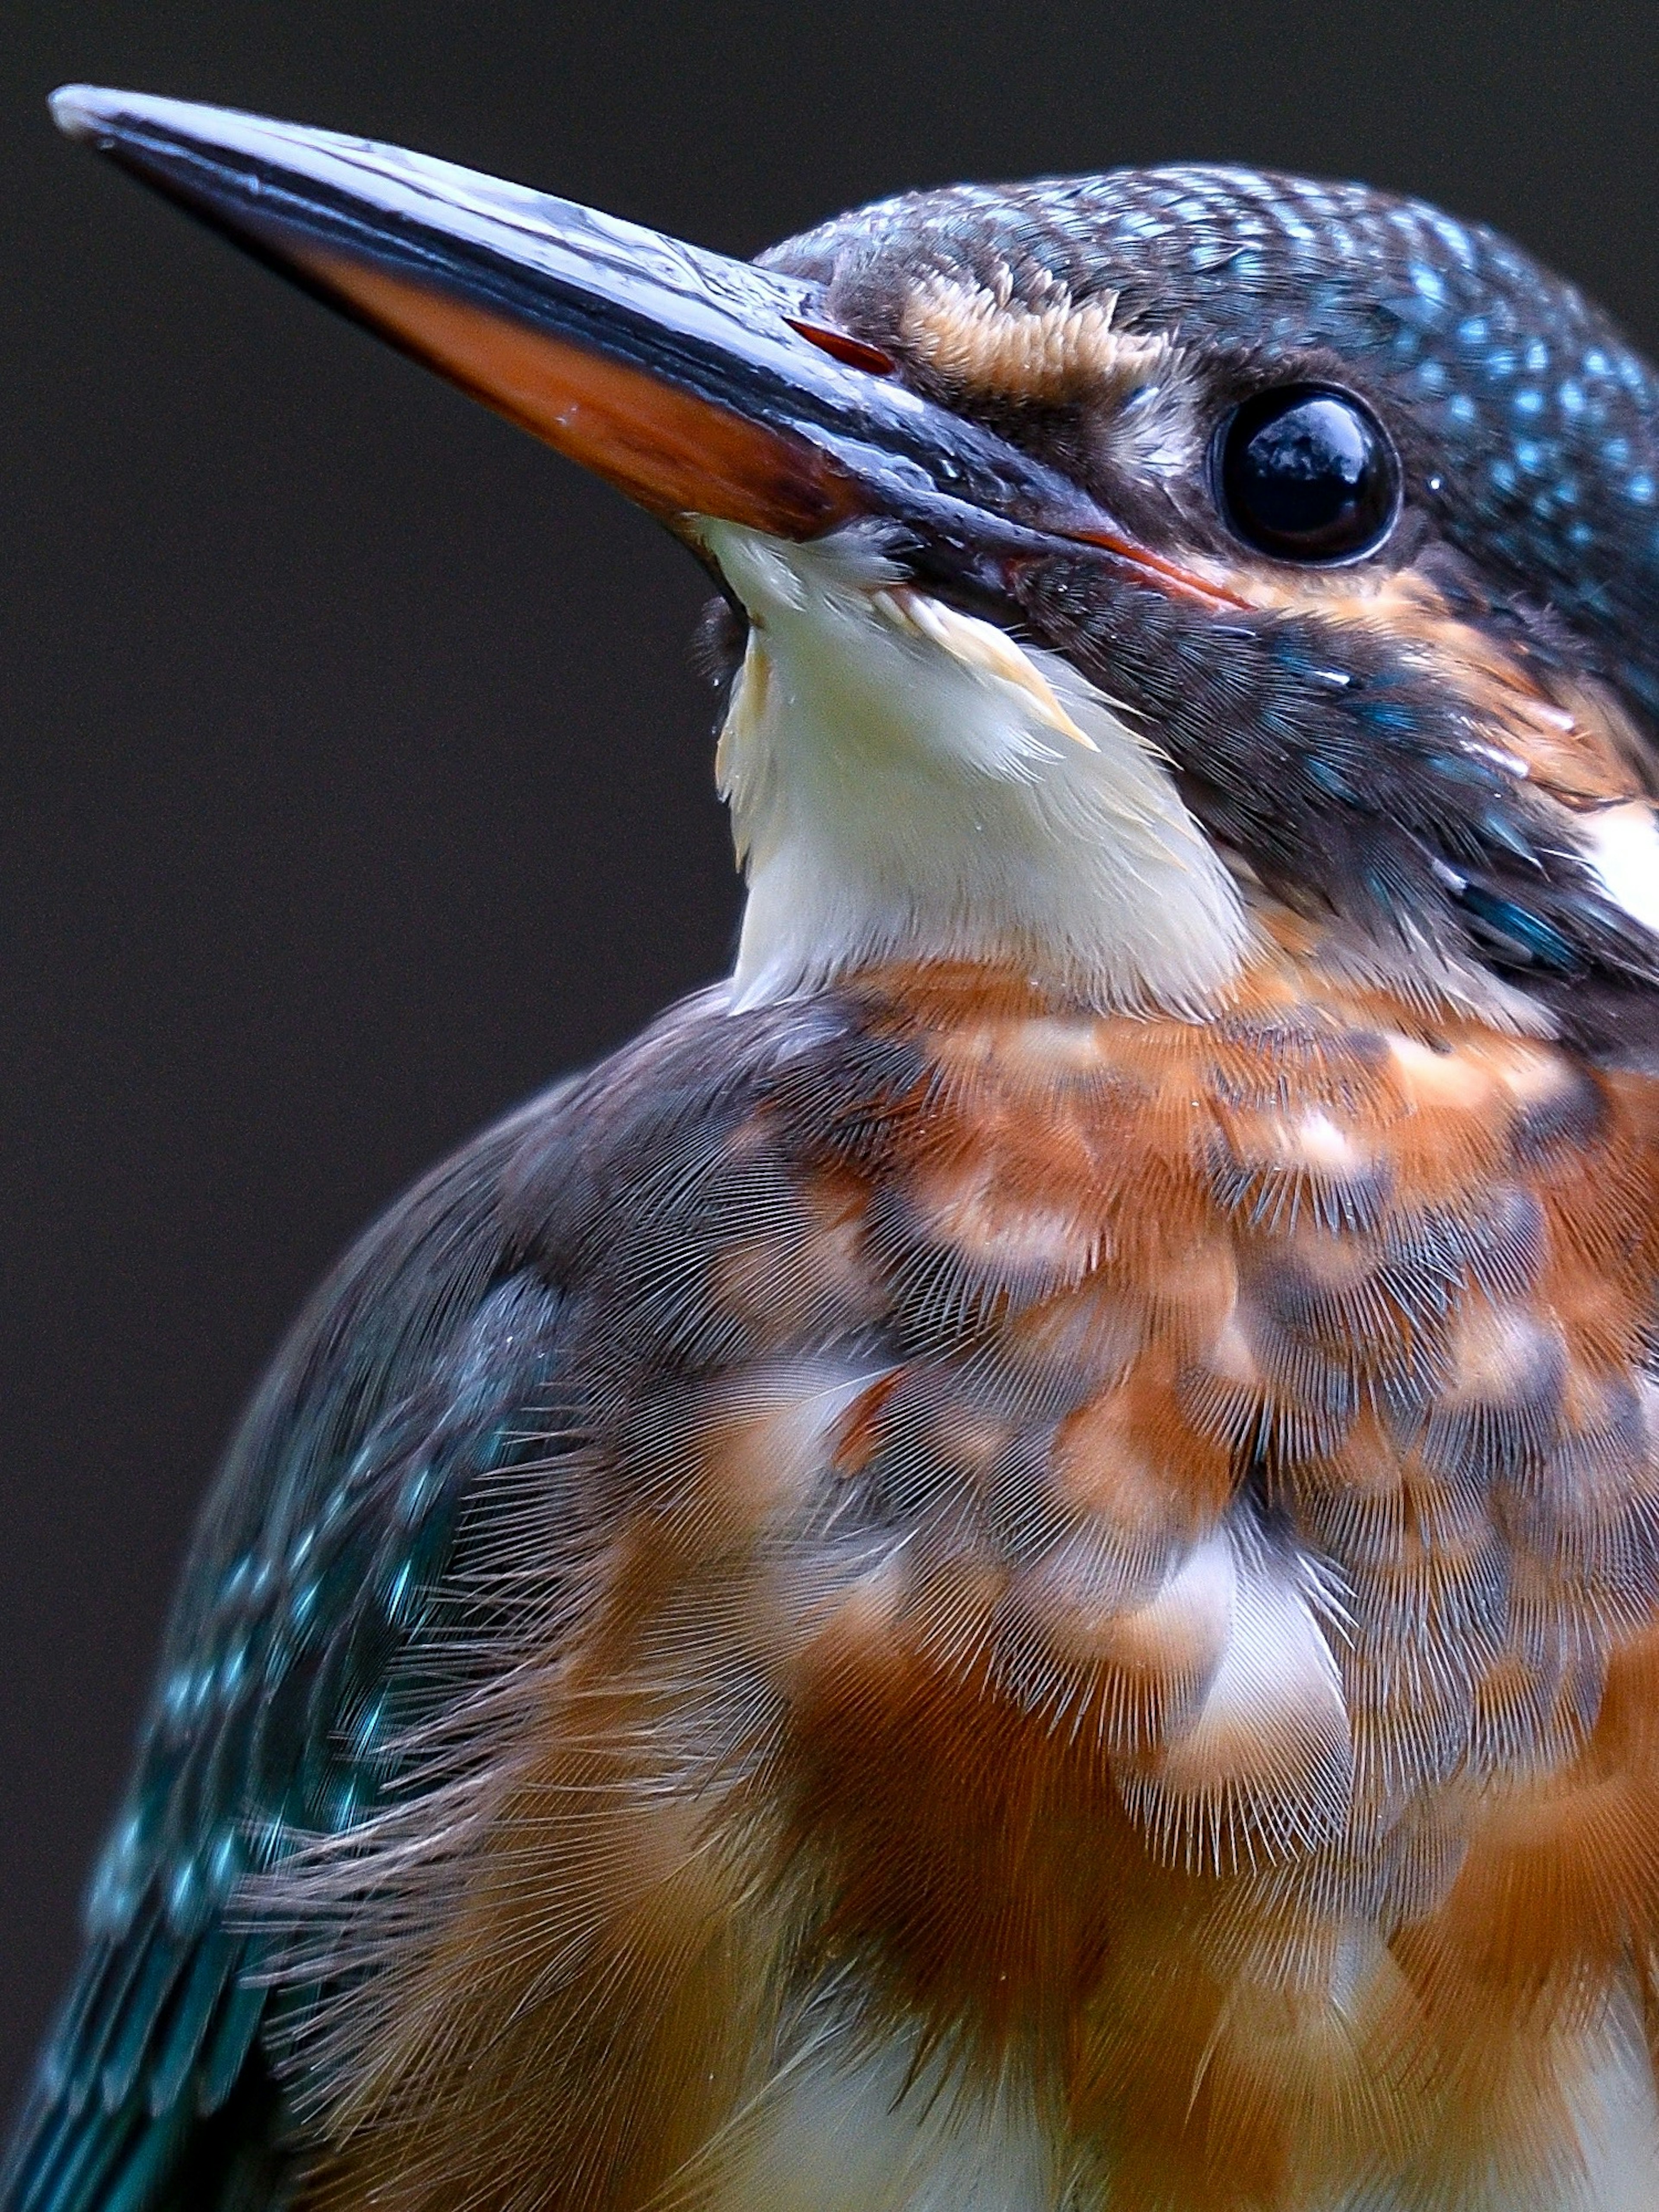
point(697, 384)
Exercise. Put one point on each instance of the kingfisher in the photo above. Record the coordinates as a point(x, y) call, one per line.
point(1013, 1565)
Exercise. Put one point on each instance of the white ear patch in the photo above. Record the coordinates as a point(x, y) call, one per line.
point(906, 781)
point(1623, 848)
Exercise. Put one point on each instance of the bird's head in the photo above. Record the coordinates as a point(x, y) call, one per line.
point(1119, 572)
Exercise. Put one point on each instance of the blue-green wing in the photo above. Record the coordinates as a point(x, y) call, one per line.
point(295, 1658)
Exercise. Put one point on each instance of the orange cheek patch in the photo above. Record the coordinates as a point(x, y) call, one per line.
point(1573, 740)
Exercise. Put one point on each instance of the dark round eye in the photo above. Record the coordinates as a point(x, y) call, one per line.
point(1307, 474)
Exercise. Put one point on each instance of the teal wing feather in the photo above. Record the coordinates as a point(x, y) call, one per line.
point(308, 1631)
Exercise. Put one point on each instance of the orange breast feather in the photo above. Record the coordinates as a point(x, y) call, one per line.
point(1129, 1566)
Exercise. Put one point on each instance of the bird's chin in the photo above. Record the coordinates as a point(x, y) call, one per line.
point(907, 782)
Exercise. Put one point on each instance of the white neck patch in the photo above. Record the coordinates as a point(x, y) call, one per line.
point(1622, 845)
point(906, 782)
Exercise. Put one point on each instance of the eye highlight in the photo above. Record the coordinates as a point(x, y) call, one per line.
point(1307, 473)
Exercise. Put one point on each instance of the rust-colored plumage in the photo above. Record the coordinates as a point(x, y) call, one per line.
point(1163, 1609)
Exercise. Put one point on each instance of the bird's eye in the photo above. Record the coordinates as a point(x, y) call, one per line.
point(1307, 474)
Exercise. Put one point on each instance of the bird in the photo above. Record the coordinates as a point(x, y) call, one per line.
point(1012, 1563)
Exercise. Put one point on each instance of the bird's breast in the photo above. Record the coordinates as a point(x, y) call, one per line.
point(1123, 1590)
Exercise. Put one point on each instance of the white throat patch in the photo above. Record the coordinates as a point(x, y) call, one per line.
point(906, 782)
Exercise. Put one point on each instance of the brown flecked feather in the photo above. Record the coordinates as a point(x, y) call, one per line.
point(1132, 1569)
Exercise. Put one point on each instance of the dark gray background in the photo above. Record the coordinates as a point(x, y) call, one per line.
point(355, 780)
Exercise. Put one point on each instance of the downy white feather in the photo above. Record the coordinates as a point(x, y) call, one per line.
point(907, 782)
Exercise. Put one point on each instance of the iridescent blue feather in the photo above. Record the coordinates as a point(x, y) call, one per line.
point(308, 1637)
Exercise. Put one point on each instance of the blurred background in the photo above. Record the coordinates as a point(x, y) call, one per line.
point(355, 780)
